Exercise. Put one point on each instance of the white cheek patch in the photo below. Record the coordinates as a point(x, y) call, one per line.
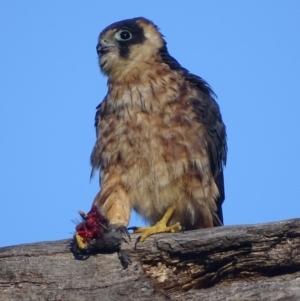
point(110, 57)
point(154, 38)
point(108, 61)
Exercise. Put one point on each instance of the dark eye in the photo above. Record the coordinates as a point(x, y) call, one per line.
point(123, 35)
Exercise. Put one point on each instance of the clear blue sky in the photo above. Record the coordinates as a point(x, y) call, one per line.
point(50, 84)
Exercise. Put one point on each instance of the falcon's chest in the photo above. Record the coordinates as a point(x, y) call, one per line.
point(131, 124)
point(139, 123)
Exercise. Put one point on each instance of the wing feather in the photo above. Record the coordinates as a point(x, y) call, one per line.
point(208, 113)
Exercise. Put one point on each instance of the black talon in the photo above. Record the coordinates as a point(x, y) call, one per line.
point(137, 241)
point(124, 231)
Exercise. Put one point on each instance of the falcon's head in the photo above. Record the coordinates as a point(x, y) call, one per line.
point(123, 45)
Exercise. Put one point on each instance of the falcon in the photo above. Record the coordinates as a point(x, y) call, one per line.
point(161, 142)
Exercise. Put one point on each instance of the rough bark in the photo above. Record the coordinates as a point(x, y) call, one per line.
point(254, 262)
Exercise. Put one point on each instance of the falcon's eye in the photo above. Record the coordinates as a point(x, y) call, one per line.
point(123, 35)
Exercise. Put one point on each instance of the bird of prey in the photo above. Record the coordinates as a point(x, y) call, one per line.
point(161, 142)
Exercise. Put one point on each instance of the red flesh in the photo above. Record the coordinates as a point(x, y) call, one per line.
point(93, 226)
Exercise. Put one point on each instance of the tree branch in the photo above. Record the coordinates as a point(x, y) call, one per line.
point(255, 262)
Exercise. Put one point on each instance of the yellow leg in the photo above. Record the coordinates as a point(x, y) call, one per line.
point(159, 227)
point(80, 242)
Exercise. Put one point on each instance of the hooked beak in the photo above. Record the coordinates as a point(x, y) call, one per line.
point(103, 48)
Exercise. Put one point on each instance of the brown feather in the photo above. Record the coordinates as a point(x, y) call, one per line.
point(161, 140)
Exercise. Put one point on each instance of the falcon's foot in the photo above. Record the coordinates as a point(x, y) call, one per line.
point(159, 227)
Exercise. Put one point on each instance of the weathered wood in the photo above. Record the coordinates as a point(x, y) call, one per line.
point(254, 262)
